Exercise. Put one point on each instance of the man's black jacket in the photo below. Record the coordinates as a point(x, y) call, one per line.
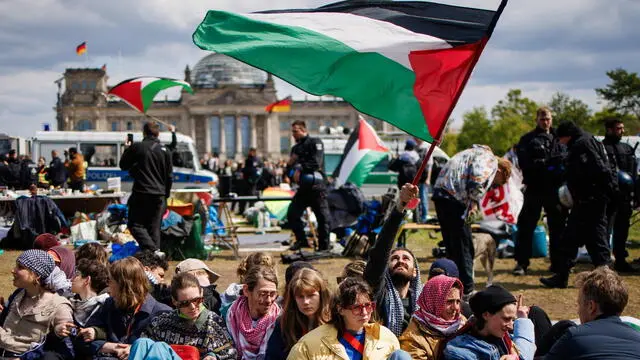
point(149, 164)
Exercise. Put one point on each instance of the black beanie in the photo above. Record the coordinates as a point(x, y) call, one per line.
point(567, 128)
point(491, 299)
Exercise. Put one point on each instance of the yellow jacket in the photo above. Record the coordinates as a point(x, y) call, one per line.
point(322, 344)
point(422, 342)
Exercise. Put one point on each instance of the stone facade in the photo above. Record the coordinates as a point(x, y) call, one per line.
point(227, 117)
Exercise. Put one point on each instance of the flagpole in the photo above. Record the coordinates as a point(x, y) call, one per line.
point(157, 120)
point(439, 135)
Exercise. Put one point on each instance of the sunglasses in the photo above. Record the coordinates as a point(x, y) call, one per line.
point(186, 303)
point(358, 308)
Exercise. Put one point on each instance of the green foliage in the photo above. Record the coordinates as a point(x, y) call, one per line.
point(515, 115)
point(514, 105)
point(476, 128)
point(510, 119)
point(623, 93)
point(450, 143)
point(567, 109)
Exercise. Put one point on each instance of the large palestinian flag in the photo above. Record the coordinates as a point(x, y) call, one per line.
point(403, 62)
point(364, 150)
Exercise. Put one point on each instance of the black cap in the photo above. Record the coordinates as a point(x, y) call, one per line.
point(491, 299)
point(567, 128)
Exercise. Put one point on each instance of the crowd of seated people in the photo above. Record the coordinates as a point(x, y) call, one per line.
point(79, 306)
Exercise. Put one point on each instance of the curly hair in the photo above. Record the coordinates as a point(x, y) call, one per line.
point(133, 286)
point(92, 251)
point(151, 260)
point(96, 270)
point(257, 258)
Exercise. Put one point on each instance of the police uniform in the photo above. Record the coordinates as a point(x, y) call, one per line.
point(540, 157)
point(622, 158)
point(591, 183)
point(312, 191)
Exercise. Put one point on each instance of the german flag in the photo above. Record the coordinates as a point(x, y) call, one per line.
point(283, 105)
point(81, 49)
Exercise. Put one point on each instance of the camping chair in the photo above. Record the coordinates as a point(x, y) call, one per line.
point(225, 233)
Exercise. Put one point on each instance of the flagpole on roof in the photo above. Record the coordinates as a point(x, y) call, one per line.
point(439, 135)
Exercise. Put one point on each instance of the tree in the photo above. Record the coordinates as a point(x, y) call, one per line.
point(623, 93)
point(514, 105)
point(476, 129)
point(450, 143)
point(506, 132)
point(567, 109)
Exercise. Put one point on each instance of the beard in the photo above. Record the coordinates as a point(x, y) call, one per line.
point(400, 276)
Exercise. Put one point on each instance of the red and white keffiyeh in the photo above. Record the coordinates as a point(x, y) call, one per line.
point(432, 302)
point(248, 334)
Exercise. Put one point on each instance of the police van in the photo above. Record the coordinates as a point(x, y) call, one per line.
point(102, 151)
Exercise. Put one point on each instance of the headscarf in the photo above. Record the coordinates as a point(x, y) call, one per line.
point(37, 261)
point(67, 260)
point(432, 302)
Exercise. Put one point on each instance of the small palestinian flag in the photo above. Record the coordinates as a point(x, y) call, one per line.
point(403, 62)
point(364, 150)
point(283, 105)
point(81, 49)
point(139, 92)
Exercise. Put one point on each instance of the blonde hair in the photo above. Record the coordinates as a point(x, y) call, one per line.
point(606, 288)
point(133, 285)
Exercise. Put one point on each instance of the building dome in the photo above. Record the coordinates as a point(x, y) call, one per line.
point(217, 70)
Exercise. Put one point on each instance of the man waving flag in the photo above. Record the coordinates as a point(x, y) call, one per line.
point(403, 62)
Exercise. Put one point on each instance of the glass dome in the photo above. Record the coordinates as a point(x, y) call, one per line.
point(216, 70)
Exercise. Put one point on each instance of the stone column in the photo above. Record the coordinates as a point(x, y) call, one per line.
point(238, 138)
point(207, 141)
point(223, 143)
point(254, 132)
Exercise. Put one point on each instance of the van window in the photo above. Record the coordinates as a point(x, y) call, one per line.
point(331, 162)
point(46, 148)
point(100, 155)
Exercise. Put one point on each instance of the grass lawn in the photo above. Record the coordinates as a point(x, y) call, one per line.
point(559, 303)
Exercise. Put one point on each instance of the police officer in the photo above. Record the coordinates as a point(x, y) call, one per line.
point(591, 183)
point(149, 164)
point(306, 166)
point(623, 161)
point(540, 157)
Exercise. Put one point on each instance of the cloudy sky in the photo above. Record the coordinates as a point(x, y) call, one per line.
point(539, 46)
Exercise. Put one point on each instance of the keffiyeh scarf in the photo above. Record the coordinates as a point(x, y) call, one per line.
point(432, 302)
point(248, 335)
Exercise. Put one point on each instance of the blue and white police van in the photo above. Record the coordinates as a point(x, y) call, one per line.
point(102, 150)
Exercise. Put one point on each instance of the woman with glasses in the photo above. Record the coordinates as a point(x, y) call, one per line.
point(190, 324)
point(307, 305)
point(350, 334)
point(125, 314)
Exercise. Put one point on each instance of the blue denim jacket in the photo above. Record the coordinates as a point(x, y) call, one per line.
point(469, 347)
